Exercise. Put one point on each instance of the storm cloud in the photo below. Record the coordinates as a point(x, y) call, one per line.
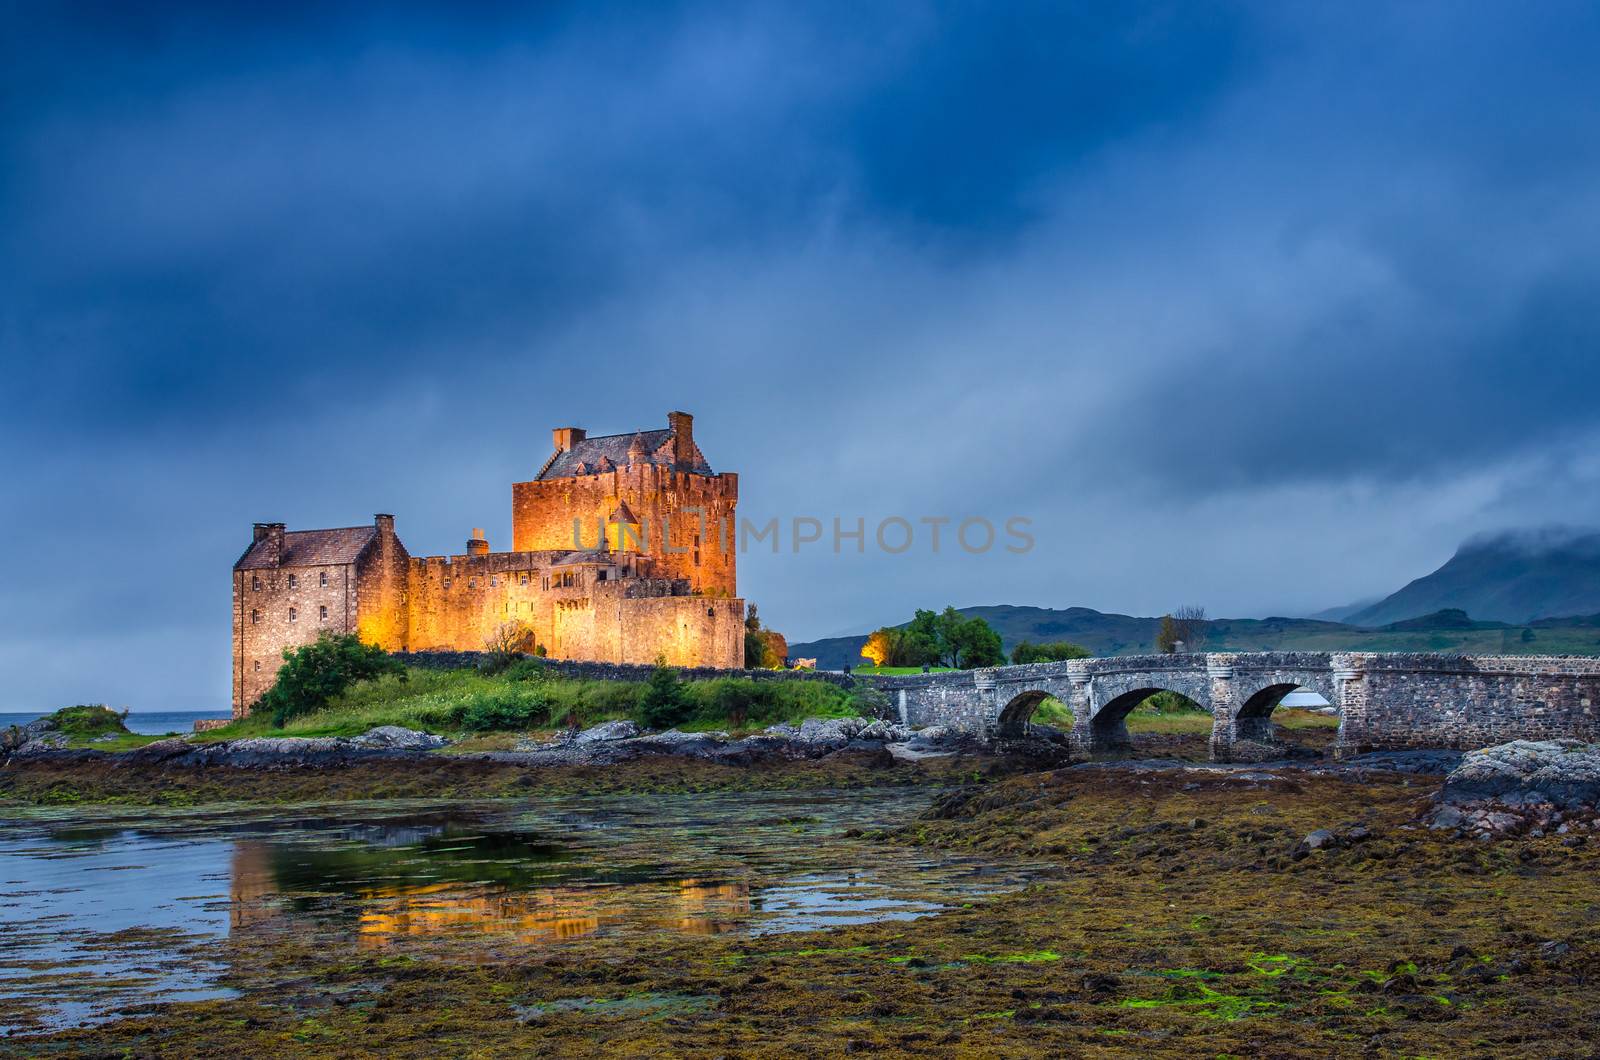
point(1259, 307)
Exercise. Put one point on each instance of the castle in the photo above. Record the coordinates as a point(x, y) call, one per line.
point(622, 551)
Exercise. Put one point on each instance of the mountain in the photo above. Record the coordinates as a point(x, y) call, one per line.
point(1513, 577)
point(1448, 630)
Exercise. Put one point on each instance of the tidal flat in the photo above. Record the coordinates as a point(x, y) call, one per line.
point(1095, 910)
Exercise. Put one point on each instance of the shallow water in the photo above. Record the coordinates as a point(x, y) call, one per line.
point(144, 722)
point(105, 911)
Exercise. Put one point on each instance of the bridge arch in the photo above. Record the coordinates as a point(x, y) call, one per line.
point(1108, 722)
point(1249, 732)
point(1014, 715)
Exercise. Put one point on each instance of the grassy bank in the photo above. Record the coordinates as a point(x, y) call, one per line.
point(527, 699)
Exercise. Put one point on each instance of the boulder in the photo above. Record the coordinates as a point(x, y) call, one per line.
point(1520, 786)
point(608, 730)
point(398, 738)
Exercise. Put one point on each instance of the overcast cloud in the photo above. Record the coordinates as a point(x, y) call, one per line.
point(1254, 306)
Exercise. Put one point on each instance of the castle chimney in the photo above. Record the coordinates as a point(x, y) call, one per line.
point(384, 523)
point(272, 534)
point(682, 425)
point(567, 437)
point(477, 544)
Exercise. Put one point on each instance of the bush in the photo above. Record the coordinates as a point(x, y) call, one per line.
point(86, 721)
point(315, 673)
point(1054, 651)
point(517, 706)
point(663, 703)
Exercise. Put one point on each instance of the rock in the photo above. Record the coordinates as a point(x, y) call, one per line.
point(608, 730)
point(1521, 786)
point(1321, 839)
point(1553, 949)
point(398, 738)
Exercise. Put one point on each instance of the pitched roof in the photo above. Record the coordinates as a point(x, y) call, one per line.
point(587, 454)
point(311, 548)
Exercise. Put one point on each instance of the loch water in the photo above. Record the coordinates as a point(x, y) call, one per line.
point(109, 911)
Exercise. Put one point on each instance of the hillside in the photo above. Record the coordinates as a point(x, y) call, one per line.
point(1114, 634)
point(1515, 578)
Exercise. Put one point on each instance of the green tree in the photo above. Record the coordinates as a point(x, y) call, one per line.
point(1053, 651)
point(949, 638)
point(313, 674)
point(663, 703)
point(1167, 636)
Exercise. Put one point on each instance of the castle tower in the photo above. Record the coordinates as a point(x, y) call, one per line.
point(657, 482)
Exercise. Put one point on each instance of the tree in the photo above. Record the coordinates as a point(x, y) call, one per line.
point(944, 638)
point(509, 638)
point(1189, 622)
point(1185, 626)
point(764, 649)
point(505, 645)
point(663, 704)
point(315, 673)
point(1054, 651)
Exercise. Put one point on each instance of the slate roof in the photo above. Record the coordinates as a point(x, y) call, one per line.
point(311, 548)
point(614, 448)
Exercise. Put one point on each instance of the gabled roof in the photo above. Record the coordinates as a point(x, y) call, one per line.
point(311, 548)
point(614, 448)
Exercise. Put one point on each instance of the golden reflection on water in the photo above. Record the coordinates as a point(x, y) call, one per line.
point(548, 914)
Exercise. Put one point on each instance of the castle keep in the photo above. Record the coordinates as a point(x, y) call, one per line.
point(623, 551)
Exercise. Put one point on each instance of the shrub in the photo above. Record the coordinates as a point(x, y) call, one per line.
point(1054, 651)
point(526, 670)
point(663, 703)
point(89, 720)
point(313, 674)
point(517, 706)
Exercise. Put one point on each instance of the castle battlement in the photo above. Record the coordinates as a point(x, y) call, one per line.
point(625, 598)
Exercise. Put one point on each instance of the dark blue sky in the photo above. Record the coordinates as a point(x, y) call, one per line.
point(1259, 306)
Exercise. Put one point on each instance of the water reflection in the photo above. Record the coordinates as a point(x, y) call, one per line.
point(107, 910)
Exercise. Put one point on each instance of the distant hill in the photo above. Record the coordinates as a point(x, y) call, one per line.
point(1515, 578)
point(1114, 634)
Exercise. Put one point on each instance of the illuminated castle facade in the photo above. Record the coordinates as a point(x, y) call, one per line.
point(623, 551)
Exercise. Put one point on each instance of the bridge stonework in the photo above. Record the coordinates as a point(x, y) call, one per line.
point(1385, 701)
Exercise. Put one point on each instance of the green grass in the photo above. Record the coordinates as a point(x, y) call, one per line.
point(450, 702)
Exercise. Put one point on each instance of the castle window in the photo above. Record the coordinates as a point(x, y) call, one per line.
point(255, 583)
point(255, 616)
point(323, 612)
point(322, 579)
point(291, 581)
point(258, 666)
point(493, 582)
point(472, 583)
point(599, 575)
point(293, 614)
point(524, 579)
point(447, 583)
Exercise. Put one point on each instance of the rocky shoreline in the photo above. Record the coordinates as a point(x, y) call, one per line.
point(605, 744)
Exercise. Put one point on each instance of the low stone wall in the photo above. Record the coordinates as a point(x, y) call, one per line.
point(207, 724)
point(604, 671)
point(1404, 700)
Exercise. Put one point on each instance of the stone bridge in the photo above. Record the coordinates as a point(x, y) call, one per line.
point(1385, 701)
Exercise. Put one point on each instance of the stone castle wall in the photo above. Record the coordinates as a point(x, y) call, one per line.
point(270, 614)
point(608, 671)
